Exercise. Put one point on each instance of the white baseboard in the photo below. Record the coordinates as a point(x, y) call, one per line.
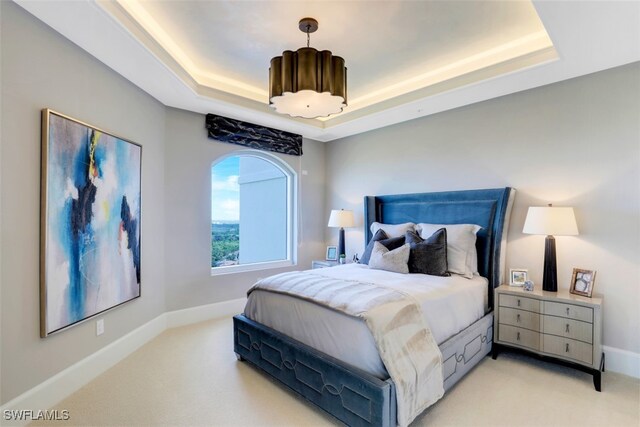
point(55, 389)
point(200, 313)
point(622, 361)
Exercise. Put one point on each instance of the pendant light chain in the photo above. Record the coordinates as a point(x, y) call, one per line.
point(308, 36)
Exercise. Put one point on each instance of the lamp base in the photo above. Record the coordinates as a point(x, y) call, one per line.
point(341, 250)
point(550, 278)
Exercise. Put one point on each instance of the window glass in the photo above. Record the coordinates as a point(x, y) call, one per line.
point(251, 211)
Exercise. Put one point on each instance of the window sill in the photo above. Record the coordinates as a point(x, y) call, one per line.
point(231, 269)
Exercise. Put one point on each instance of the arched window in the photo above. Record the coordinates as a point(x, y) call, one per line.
point(252, 213)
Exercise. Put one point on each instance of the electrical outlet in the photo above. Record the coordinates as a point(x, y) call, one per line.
point(100, 327)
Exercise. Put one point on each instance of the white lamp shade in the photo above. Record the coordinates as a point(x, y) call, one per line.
point(341, 218)
point(551, 221)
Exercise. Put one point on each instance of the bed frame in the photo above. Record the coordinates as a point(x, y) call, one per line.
point(353, 396)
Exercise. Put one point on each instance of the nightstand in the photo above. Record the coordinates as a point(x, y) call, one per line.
point(323, 264)
point(557, 326)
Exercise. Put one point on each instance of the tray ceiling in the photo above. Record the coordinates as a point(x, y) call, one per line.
point(405, 59)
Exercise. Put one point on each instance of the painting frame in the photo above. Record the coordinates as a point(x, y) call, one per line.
point(131, 230)
point(332, 253)
point(587, 279)
point(517, 276)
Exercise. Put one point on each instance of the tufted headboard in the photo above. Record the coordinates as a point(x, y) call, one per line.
point(489, 208)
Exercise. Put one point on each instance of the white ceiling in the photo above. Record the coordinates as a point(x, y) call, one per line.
point(386, 44)
point(405, 59)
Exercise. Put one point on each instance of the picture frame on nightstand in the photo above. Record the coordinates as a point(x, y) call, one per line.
point(517, 276)
point(332, 253)
point(582, 282)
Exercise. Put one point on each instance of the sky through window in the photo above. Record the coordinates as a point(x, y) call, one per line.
point(225, 192)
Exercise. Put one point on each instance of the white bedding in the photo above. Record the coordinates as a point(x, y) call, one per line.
point(449, 304)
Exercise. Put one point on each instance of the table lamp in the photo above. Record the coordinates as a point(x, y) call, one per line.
point(550, 221)
point(341, 218)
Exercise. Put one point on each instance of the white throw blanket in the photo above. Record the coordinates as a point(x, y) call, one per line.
point(404, 341)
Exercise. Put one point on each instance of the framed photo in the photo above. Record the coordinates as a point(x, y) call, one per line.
point(517, 276)
point(582, 282)
point(89, 222)
point(332, 253)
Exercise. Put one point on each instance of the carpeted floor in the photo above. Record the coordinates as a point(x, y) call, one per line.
point(189, 376)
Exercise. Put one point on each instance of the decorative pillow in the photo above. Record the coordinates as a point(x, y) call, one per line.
point(381, 236)
point(462, 255)
point(439, 236)
point(428, 256)
point(392, 230)
point(395, 260)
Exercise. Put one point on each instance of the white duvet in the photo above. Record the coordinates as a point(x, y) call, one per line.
point(449, 304)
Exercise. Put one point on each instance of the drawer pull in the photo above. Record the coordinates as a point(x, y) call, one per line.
point(518, 318)
point(567, 311)
point(519, 305)
point(566, 349)
point(518, 337)
point(567, 328)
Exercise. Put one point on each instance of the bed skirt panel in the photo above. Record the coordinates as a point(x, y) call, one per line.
point(464, 350)
point(353, 396)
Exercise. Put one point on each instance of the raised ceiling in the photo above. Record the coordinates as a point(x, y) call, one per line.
point(405, 59)
point(227, 45)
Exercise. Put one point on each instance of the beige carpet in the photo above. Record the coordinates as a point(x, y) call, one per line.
point(189, 376)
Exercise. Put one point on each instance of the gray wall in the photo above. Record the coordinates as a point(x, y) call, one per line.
point(42, 69)
point(574, 143)
point(39, 69)
point(188, 162)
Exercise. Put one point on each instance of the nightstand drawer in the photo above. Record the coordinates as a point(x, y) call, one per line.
point(519, 336)
point(568, 349)
point(519, 318)
point(323, 264)
point(569, 311)
point(522, 303)
point(568, 328)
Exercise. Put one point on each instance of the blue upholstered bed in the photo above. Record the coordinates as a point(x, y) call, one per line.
point(356, 397)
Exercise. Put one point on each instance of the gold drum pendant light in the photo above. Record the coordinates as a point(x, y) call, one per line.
point(308, 83)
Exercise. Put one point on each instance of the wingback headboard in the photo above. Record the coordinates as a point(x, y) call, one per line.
point(488, 208)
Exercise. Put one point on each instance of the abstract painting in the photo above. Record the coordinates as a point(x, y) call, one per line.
point(90, 222)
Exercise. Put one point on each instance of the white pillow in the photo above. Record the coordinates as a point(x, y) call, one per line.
point(392, 230)
point(395, 260)
point(461, 246)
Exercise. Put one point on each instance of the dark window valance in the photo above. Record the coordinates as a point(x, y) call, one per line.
point(251, 135)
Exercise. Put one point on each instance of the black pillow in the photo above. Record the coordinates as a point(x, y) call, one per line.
point(381, 236)
point(428, 256)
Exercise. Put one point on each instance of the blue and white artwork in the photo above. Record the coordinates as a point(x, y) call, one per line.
point(91, 212)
